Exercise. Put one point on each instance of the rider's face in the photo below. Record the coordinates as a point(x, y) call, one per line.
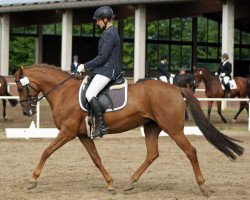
point(100, 23)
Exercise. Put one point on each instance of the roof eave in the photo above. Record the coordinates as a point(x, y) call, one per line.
point(78, 4)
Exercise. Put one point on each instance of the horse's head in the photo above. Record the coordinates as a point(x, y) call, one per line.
point(28, 92)
point(197, 76)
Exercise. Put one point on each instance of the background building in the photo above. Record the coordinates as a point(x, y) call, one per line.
point(190, 32)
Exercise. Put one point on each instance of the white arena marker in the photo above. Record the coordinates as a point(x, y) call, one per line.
point(31, 132)
point(188, 130)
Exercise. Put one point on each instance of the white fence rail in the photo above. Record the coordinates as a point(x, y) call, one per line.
point(45, 132)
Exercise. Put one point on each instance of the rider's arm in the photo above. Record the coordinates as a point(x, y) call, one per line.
point(163, 69)
point(104, 52)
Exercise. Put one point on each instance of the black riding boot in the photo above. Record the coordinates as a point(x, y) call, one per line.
point(97, 110)
point(228, 90)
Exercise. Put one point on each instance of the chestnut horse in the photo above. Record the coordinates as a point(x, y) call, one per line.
point(213, 89)
point(148, 104)
point(4, 92)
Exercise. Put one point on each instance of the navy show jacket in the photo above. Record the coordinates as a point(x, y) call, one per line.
point(163, 70)
point(225, 68)
point(106, 62)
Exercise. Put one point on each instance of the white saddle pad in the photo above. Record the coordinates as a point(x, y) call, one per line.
point(232, 83)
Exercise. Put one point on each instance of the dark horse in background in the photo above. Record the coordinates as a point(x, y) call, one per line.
point(4, 92)
point(186, 80)
point(213, 89)
point(149, 105)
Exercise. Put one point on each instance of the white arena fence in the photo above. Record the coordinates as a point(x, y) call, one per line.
point(37, 132)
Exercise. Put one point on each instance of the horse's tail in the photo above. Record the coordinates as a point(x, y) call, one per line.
point(222, 142)
point(13, 102)
point(248, 87)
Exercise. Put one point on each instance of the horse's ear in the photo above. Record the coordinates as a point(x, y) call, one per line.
point(21, 72)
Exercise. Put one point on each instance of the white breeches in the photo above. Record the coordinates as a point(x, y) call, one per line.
point(163, 78)
point(226, 79)
point(96, 85)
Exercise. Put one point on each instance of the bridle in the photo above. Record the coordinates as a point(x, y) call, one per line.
point(34, 99)
point(31, 99)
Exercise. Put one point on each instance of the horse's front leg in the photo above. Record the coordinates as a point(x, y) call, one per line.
point(219, 112)
point(90, 147)
point(209, 108)
point(59, 141)
point(4, 110)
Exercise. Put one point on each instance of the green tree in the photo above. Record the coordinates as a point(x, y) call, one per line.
point(22, 52)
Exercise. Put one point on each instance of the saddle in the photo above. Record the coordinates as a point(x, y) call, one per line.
point(113, 97)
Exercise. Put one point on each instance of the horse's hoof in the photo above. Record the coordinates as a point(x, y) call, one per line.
point(233, 121)
point(5, 118)
point(112, 191)
point(205, 193)
point(31, 185)
point(129, 186)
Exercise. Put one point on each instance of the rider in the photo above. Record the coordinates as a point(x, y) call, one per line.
point(163, 69)
point(105, 66)
point(224, 72)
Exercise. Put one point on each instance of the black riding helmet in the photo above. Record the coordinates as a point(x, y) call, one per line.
point(225, 55)
point(104, 12)
point(75, 57)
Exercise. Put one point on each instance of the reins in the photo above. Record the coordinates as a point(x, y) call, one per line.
point(35, 99)
point(54, 88)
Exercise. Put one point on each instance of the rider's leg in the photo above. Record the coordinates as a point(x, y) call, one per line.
point(227, 86)
point(96, 85)
point(228, 91)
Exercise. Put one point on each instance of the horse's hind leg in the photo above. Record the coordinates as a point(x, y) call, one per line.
point(152, 131)
point(59, 141)
point(90, 147)
point(4, 109)
point(242, 106)
point(190, 151)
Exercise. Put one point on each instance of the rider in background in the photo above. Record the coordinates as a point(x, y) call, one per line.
point(75, 64)
point(105, 66)
point(182, 71)
point(163, 70)
point(224, 72)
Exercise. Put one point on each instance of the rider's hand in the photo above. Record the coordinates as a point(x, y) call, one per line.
point(216, 73)
point(81, 68)
point(223, 74)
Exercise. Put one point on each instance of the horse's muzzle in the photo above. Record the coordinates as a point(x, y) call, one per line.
point(29, 111)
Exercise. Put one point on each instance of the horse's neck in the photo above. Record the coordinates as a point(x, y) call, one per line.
point(209, 79)
point(50, 83)
point(208, 76)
